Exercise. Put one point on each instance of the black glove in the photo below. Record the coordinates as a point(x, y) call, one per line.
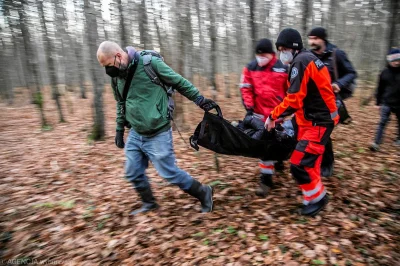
point(119, 139)
point(205, 104)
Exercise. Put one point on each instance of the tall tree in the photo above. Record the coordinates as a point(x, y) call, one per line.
point(91, 13)
point(122, 28)
point(143, 26)
point(213, 50)
point(393, 20)
point(49, 49)
point(6, 90)
point(306, 8)
point(32, 63)
point(253, 28)
point(78, 52)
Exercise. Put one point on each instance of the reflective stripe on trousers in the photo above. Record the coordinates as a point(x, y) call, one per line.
point(267, 167)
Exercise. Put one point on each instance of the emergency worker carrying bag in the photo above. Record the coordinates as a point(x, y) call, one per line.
point(219, 135)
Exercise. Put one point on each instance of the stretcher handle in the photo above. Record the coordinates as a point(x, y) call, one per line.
point(218, 109)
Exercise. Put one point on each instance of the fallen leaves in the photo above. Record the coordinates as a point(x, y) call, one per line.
point(64, 198)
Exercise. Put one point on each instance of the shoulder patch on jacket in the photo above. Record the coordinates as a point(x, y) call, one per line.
point(294, 73)
point(318, 63)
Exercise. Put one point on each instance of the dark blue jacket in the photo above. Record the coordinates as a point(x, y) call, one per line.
point(388, 91)
point(346, 72)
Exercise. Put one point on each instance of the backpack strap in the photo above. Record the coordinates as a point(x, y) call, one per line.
point(131, 73)
point(152, 74)
point(150, 71)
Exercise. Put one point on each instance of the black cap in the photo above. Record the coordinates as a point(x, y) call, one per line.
point(289, 38)
point(319, 32)
point(264, 46)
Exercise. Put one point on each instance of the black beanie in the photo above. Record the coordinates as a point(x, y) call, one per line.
point(318, 32)
point(289, 38)
point(264, 46)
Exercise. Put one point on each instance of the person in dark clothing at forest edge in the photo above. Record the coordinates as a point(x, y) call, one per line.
point(388, 96)
point(311, 98)
point(150, 137)
point(343, 85)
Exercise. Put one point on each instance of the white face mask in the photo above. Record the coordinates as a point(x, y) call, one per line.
point(262, 61)
point(286, 57)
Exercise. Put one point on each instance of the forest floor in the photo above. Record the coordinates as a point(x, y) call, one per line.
point(64, 199)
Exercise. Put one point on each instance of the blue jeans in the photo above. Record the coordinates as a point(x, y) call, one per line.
point(385, 118)
point(159, 150)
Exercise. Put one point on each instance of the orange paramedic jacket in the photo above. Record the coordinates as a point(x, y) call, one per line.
point(310, 94)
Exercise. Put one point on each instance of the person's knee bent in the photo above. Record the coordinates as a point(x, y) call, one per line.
point(299, 174)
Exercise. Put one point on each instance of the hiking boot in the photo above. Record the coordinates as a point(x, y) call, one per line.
point(148, 201)
point(374, 147)
point(266, 185)
point(204, 193)
point(327, 171)
point(314, 208)
point(279, 166)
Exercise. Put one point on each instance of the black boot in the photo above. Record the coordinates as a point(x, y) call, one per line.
point(279, 166)
point(204, 194)
point(314, 208)
point(266, 185)
point(149, 202)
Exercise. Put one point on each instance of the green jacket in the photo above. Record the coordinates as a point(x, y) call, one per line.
point(147, 103)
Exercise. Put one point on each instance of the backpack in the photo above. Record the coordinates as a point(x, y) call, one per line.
point(147, 56)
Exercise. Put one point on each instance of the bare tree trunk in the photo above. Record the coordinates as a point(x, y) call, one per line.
point(122, 29)
point(394, 19)
point(185, 41)
point(98, 131)
point(253, 28)
point(213, 52)
point(50, 62)
point(6, 90)
point(32, 66)
point(227, 69)
point(306, 13)
point(143, 26)
point(213, 39)
point(201, 59)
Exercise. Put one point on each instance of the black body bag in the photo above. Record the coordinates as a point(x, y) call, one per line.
point(219, 135)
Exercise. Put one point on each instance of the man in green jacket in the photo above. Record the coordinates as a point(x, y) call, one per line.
point(150, 136)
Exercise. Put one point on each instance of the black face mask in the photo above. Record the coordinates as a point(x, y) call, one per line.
point(113, 71)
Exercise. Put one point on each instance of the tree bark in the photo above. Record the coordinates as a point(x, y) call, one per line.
point(32, 65)
point(49, 49)
point(253, 28)
point(98, 130)
point(393, 20)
